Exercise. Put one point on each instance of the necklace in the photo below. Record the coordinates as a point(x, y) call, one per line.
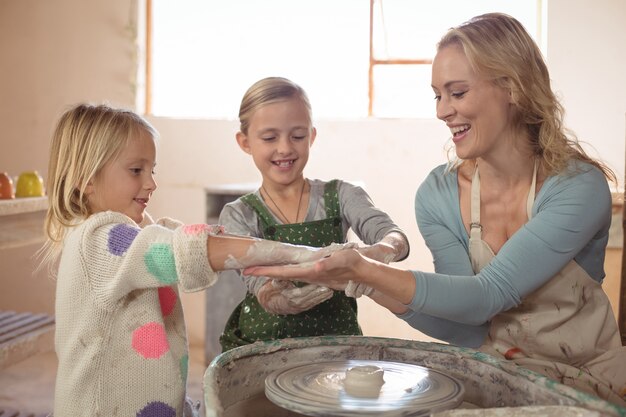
point(284, 218)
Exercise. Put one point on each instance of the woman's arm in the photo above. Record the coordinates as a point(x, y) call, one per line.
point(571, 210)
point(342, 266)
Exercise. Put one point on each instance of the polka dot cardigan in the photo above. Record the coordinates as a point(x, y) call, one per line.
point(120, 333)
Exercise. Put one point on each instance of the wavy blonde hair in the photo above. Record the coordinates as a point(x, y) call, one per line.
point(85, 139)
point(267, 91)
point(499, 48)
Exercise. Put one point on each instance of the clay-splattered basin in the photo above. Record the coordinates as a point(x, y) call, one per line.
point(234, 382)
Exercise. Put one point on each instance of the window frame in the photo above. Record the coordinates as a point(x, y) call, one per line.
point(373, 61)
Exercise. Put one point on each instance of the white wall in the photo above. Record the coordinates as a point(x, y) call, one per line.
point(586, 57)
point(53, 54)
point(57, 52)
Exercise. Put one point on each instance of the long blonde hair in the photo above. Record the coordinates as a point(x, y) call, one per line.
point(85, 139)
point(267, 91)
point(499, 48)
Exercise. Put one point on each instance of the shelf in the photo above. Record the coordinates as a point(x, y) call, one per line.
point(21, 221)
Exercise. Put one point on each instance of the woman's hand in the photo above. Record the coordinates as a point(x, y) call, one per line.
point(334, 271)
point(341, 267)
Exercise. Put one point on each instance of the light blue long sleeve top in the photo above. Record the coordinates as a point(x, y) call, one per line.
point(571, 217)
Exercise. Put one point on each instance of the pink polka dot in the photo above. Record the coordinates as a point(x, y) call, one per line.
point(167, 298)
point(150, 341)
point(195, 229)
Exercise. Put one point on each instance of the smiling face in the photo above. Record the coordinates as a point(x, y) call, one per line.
point(279, 137)
point(478, 112)
point(126, 183)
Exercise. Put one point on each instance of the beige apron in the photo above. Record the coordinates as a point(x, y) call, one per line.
point(564, 330)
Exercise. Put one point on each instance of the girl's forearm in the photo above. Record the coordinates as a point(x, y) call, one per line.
point(399, 244)
point(221, 248)
point(237, 252)
point(390, 248)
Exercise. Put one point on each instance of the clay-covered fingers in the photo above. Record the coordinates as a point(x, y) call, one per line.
point(307, 297)
point(357, 289)
point(283, 297)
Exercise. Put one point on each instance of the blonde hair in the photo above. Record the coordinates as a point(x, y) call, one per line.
point(267, 91)
point(85, 139)
point(499, 48)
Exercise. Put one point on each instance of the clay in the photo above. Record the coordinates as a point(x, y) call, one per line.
point(265, 252)
point(364, 381)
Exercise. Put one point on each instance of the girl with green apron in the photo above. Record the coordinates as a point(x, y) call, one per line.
point(249, 322)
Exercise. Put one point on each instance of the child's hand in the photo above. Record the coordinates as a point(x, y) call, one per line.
point(381, 252)
point(330, 249)
point(283, 297)
point(357, 289)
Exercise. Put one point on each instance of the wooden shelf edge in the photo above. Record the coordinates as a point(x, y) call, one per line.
point(23, 205)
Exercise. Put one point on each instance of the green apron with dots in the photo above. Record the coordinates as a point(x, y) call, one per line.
point(249, 322)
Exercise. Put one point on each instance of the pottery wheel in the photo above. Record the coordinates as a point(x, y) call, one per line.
point(317, 389)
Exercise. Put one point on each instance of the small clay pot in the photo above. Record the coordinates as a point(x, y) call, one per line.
point(6, 186)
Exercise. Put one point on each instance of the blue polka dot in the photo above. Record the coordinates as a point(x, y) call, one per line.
point(157, 409)
point(121, 237)
point(159, 260)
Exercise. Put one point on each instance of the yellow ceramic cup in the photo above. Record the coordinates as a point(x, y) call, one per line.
point(29, 184)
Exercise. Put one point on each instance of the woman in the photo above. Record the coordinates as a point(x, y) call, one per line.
point(517, 225)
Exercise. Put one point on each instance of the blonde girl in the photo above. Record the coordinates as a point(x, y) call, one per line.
point(277, 131)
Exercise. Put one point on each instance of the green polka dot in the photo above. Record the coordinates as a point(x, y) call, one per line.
point(184, 367)
point(159, 260)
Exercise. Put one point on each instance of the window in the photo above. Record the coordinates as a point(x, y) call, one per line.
point(204, 54)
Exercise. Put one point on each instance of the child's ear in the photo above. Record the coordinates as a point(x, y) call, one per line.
point(89, 188)
point(313, 136)
point(242, 141)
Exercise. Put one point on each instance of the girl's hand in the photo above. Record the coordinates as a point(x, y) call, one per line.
point(381, 252)
point(357, 289)
point(283, 297)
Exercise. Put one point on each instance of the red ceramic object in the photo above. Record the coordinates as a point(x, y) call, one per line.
point(6, 186)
